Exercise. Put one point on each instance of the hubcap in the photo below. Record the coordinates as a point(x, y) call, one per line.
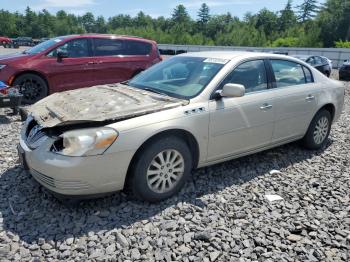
point(165, 171)
point(321, 130)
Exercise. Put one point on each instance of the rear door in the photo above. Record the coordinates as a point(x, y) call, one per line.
point(74, 71)
point(117, 60)
point(295, 96)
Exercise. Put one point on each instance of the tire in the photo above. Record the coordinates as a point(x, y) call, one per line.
point(145, 176)
point(32, 86)
point(3, 44)
point(317, 134)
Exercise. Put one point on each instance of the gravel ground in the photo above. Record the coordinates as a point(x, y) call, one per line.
point(221, 215)
point(6, 51)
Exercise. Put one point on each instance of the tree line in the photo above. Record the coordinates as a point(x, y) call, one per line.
point(309, 24)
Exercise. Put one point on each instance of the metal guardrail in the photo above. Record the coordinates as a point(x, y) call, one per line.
point(337, 55)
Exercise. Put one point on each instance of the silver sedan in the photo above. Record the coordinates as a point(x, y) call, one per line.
point(189, 111)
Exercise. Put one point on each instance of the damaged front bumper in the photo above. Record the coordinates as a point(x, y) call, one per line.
point(75, 176)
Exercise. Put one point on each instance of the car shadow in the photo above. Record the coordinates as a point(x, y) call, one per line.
point(32, 213)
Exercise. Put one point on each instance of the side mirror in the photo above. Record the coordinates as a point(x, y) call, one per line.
point(61, 54)
point(233, 90)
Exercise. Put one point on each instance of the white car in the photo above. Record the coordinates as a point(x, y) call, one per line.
point(189, 111)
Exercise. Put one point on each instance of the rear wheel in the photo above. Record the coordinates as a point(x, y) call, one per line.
point(318, 132)
point(32, 86)
point(161, 169)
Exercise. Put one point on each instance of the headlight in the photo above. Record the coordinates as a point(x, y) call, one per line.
point(2, 66)
point(87, 142)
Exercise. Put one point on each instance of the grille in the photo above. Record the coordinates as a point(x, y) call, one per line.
point(59, 184)
point(35, 135)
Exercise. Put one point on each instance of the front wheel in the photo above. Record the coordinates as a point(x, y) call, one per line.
point(32, 86)
point(161, 169)
point(318, 132)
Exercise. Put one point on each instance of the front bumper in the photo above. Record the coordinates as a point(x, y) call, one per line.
point(76, 176)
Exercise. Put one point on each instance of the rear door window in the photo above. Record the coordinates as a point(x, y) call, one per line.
point(118, 47)
point(288, 73)
point(108, 47)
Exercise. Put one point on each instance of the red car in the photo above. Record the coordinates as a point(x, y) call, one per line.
point(76, 61)
point(5, 41)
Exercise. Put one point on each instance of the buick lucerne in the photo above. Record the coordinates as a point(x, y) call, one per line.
point(189, 111)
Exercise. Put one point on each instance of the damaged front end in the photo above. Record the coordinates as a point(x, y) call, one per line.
point(75, 120)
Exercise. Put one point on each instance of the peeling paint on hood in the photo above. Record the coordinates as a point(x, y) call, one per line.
point(99, 103)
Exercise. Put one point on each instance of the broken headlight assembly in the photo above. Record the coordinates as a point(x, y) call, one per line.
point(85, 142)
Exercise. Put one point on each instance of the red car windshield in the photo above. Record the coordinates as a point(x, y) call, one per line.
point(43, 46)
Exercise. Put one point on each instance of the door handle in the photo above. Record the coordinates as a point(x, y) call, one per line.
point(91, 63)
point(266, 106)
point(310, 98)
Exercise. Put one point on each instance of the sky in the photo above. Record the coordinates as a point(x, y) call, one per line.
point(154, 8)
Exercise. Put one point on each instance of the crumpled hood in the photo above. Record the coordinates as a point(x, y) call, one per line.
point(99, 103)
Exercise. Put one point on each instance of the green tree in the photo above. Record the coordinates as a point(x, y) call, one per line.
point(7, 24)
point(88, 22)
point(203, 14)
point(180, 15)
point(267, 21)
point(333, 20)
point(100, 25)
point(288, 18)
point(307, 10)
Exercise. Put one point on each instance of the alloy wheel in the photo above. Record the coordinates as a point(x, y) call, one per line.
point(165, 171)
point(321, 130)
point(31, 89)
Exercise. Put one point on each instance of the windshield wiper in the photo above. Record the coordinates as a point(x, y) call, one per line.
point(155, 91)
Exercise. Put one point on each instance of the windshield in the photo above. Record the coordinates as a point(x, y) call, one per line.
point(180, 76)
point(42, 46)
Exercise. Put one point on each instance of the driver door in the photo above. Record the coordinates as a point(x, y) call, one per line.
point(74, 71)
point(242, 124)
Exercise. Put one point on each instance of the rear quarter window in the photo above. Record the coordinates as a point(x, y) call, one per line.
point(137, 48)
point(308, 75)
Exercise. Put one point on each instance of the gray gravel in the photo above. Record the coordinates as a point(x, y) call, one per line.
point(6, 51)
point(221, 215)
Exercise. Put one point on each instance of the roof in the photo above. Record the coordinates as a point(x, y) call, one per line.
point(233, 54)
point(91, 35)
